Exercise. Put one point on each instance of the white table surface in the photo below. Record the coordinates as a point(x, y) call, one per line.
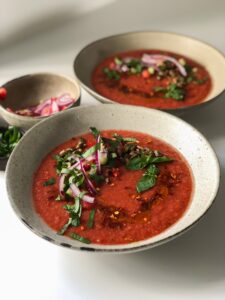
point(190, 267)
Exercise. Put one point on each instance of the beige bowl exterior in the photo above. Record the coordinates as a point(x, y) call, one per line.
point(41, 139)
point(91, 55)
point(28, 90)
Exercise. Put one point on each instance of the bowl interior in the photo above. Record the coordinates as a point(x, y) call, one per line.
point(41, 139)
point(28, 90)
point(94, 53)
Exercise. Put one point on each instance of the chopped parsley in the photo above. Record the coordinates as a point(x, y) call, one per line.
point(9, 138)
point(172, 91)
point(111, 74)
point(148, 179)
point(79, 238)
point(50, 181)
point(90, 223)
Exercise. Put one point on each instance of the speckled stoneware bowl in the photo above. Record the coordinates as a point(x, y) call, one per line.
point(91, 55)
point(28, 90)
point(41, 139)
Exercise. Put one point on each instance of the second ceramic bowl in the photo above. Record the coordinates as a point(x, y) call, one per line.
point(91, 55)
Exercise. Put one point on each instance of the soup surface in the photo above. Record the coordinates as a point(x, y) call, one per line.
point(152, 78)
point(108, 188)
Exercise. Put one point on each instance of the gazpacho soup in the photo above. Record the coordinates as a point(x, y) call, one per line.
point(152, 78)
point(112, 187)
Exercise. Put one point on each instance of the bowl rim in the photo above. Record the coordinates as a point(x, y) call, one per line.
point(104, 248)
point(103, 99)
point(28, 118)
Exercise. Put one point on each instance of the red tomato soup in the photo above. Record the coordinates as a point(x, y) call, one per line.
point(121, 213)
point(152, 78)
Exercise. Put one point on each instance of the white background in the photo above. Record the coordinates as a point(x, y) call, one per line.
point(36, 36)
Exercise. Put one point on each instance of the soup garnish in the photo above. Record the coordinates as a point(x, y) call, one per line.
point(112, 187)
point(152, 78)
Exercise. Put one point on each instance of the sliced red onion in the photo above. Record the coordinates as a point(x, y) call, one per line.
point(90, 185)
point(76, 165)
point(65, 100)
point(90, 158)
point(54, 106)
point(148, 59)
point(127, 60)
point(40, 107)
point(61, 183)
point(98, 163)
point(76, 192)
point(124, 68)
point(88, 198)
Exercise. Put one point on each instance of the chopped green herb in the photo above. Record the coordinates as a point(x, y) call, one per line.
point(190, 79)
point(159, 159)
point(65, 227)
point(138, 162)
point(98, 179)
point(129, 140)
point(142, 161)
point(9, 138)
point(50, 181)
point(90, 223)
point(75, 211)
point(111, 74)
point(91, 150)
point(200, 81)
point(151, 70)
point(94, 131)
point(58, 198)
point(159, 89)
point(134, 63)
point(79, 238)
point(120, 138)
point(172, 91)
point(118, 61)
point(148, 180)
point(113, 155)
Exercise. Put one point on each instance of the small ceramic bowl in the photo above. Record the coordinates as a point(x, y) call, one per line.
point(28, 90)
point(91, 55)
point(41, 139)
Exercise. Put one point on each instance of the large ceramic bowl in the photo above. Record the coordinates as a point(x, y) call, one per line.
point(41, 139)
point(28, 90)
point(91, 55)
